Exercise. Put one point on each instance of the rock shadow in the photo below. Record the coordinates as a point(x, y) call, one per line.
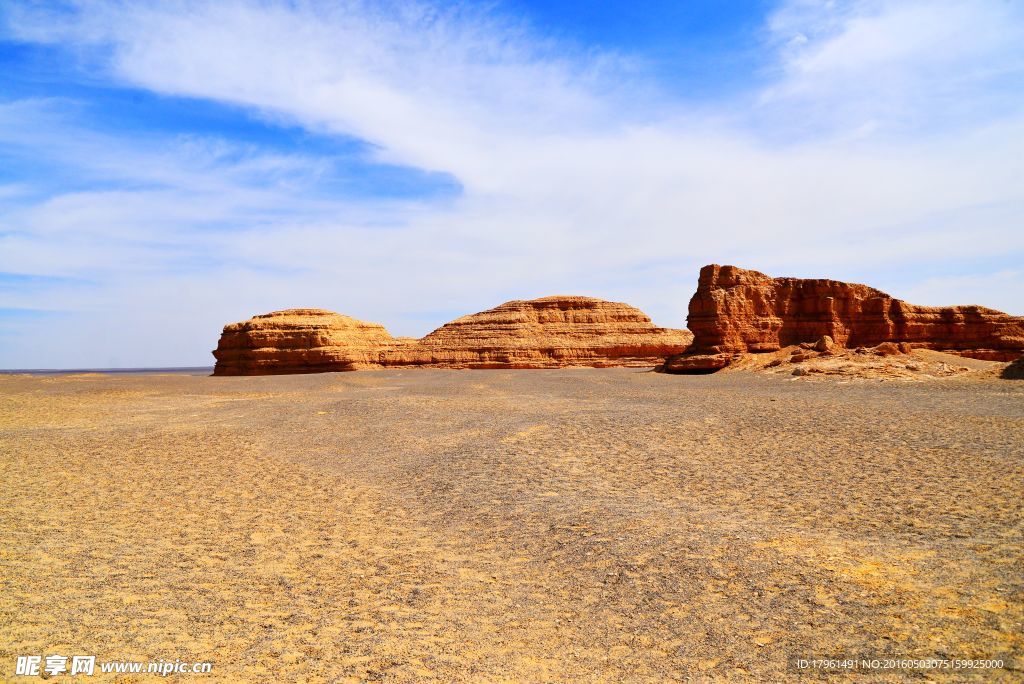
point(1015, 371)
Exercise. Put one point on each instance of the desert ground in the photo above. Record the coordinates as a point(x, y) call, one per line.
point(572, 525)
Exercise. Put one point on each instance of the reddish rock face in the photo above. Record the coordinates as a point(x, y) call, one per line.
point(299, 341)
point(736, 311)
point(551, 332)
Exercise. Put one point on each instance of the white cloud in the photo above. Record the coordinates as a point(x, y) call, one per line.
point(578, 175)
point(999, 290)
point(900, 64)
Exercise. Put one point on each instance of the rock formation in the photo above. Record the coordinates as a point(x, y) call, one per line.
point(299, 341)
point(736, 311)
point(886, 361)
point(551, 332)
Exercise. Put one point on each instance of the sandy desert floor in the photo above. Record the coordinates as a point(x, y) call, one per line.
point(578, 525)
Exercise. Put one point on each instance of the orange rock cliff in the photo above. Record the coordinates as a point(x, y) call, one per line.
point(736, 311)
point(299, 341)
point(551, 332)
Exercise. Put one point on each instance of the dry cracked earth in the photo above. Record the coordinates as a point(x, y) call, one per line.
point(573, 525)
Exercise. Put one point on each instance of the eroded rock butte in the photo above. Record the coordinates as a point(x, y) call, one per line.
point(551, 332)
point(299, 341)
point(736, 312)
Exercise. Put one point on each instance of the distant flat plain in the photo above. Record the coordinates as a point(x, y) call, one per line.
point(583, 525)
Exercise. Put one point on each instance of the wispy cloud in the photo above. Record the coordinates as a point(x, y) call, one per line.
point(880, 66)
point(889, 139)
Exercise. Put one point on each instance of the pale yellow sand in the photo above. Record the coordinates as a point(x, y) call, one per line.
point(577, 525)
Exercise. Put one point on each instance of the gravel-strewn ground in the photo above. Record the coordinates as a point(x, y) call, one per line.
point(581, 525)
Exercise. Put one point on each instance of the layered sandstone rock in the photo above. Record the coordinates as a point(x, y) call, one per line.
point(735, 312)
point(551, 332)
point(300, 341)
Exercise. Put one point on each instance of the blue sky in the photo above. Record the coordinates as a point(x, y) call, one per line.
point(169, 167)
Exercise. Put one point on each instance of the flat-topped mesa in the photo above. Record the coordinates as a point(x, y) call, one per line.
point(299, 341)
point(550, 332)
point(736, 311)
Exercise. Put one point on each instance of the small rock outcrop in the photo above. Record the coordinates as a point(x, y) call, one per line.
point(886, 361)
point(824, 344)
point(551, 332)
point(736, 312)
